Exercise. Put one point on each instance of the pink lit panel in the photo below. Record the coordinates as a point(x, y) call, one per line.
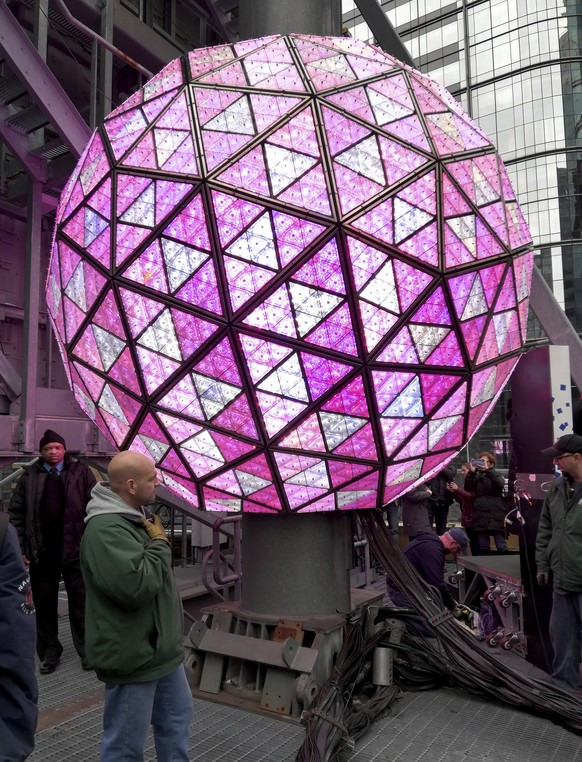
point(293, 272)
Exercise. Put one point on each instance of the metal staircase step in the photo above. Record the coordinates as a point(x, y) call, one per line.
point(52, 149)
point(28, 119)
point(10, 89)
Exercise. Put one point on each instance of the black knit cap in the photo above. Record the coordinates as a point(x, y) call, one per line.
point(50, 436)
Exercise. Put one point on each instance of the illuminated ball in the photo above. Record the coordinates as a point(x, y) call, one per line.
point(294, 272)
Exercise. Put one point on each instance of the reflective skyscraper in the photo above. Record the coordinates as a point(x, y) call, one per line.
point(515, 67)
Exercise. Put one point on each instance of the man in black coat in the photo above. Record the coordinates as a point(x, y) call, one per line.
point(48, 511)
point(18, 691)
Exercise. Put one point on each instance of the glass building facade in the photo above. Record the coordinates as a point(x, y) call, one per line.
point(516, 67)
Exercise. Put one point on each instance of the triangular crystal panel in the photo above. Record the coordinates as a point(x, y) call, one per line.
point(342, 132)
point(274, 314)
point(336, 332)
point(238, 418)
point(376, 323)
point(249, 172)
point(323, 270)
point(244, 280)
point(232, 215)
point(311, 306)
point(448, 353)
point(307, 436)
point(293, 235)
point(278, 412)
point(309, 193)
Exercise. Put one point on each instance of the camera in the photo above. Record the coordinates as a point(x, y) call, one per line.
point(478, 463)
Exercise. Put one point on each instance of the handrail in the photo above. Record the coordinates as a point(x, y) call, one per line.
point(222, 566)
point(17, 473)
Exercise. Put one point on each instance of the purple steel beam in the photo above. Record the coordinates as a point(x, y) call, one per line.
point(21, 147)
point(383, 31)
point(555, 323)
point(39, 80)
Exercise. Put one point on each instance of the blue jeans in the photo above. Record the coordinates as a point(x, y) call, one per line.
point(131, 707)
point(499, 539)
point(565, 624)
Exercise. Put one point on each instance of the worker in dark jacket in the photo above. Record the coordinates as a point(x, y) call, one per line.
point(489, 506)
point(18, 688)
point(427, 554)
point(559, 554)
point(441, 499)
point(48, 511)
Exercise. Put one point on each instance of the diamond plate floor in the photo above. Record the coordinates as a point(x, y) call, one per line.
point(446, 725)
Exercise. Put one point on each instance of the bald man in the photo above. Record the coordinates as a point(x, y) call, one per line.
point(134, 618)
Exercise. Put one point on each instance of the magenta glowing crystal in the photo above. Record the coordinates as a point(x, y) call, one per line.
point(294, 272)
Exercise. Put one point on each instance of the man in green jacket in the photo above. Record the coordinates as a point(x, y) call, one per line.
point(134, 617)
point(559, 551)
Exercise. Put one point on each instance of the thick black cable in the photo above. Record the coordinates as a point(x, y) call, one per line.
point(469, 665)
point(340, 715)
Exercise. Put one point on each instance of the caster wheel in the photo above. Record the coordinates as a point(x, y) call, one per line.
point(491, 594)
point(507, 600)
point(492, 640)
point(507, 643)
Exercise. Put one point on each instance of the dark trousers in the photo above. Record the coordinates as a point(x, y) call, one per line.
point(438, 513)
point(473, 541)
point(45, 576)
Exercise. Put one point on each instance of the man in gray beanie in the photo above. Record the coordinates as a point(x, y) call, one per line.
point(48, 511)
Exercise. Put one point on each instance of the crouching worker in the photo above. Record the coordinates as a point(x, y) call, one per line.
point(134, 619)
point(427, 554)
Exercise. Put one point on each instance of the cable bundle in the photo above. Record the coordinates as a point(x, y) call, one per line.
point(347, 703)
point(467, 664)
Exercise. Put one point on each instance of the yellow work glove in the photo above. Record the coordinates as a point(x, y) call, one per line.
point(155, 529)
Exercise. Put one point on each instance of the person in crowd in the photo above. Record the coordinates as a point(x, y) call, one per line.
point(489, 506)
point(392, 515)
point(48, 511)
point(441, 498)
point(18, 687)
point(559, 554)
point(427, 554)
point(465, 500)
point(134, 617)
point(415, 511)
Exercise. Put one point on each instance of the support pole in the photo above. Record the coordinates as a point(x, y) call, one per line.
point(296, 565)
point(259, 18)
point(31, 319)
point(105, 58)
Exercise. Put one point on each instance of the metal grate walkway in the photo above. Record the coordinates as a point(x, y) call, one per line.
point(445, 725)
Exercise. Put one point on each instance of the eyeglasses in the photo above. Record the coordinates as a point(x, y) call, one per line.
point(566, 455)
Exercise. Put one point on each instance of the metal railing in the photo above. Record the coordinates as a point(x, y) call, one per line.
point(226, 571)
point(221, 569)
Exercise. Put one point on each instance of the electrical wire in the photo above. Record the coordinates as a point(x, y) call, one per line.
point(348, 703)
point(468, 664)
point(346, 706)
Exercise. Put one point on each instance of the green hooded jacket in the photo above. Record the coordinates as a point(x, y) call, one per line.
point(133, 615)
point(559, 537)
